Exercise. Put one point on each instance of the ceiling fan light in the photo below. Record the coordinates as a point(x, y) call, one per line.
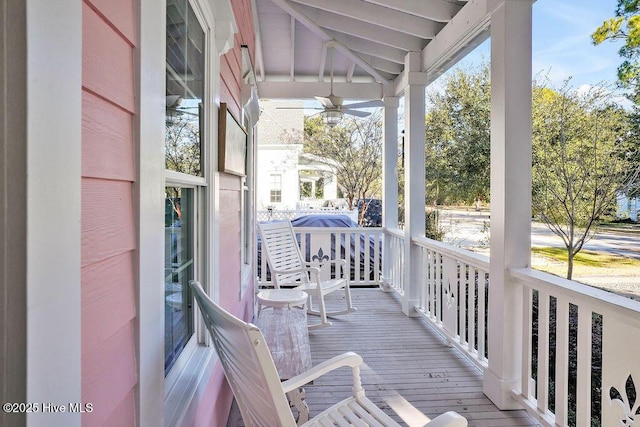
point(332, 118)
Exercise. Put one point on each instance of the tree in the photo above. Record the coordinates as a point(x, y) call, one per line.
point(579, 161)
point(625, 26)
point(353, 148)
point(182, 144)
point(458, 138)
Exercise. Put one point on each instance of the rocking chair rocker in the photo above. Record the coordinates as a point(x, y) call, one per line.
point(261, 396)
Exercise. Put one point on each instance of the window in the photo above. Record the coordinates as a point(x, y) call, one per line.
point(185, 184)
point(275, 193)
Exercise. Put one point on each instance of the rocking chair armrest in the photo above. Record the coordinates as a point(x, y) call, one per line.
point(448, 419)
point(350, 359)
point(314, 270)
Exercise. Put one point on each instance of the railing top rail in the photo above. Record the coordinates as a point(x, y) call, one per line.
point(463, 255)
point(329, 230)
point(396, 232)
point(601, 301)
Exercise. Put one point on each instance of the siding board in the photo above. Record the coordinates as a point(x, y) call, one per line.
point(108, 300)
point(119, 13)
point(107, 140)
point(107, 219)
point(109, 373)
point(107, 61)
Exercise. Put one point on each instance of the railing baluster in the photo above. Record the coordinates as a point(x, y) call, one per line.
point(462, 302)
point(527, 347)
point(562, 360)
point(543, 352)
point(471, 303)
point(583, 386)
point(482, 279)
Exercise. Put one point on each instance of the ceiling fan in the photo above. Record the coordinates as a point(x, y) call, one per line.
point(333, 107)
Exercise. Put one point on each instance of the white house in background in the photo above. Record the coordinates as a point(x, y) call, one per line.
point(628, 208)
point(281, 165)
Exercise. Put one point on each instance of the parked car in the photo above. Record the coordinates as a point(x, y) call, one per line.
point(372, 213)
point(326, 220)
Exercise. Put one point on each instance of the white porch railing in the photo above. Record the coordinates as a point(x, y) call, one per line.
point(580, 353)
point(361, 247)
point(292, 214)
point(453, 295)
point(394, 260)
point(580, 346)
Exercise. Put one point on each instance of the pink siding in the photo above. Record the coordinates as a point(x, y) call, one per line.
point(117, 13)
point(107, 135)
point(109, 372)
point(109, 376)
point(107, 219)
point(108, 299)
point(107, 61)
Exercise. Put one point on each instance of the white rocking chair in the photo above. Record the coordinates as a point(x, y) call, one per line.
point(261, 396)
point(288, 267)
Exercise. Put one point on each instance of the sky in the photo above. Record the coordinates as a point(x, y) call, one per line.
point(562, 46)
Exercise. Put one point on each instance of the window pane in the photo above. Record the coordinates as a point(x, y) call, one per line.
point(178, 271)
point(275, 188)
point(185, 89)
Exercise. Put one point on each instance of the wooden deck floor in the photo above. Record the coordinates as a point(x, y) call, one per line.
point(408, 366)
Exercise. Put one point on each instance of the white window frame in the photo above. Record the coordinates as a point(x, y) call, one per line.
point(177, 405)
point(271, 187)
point(187, 377)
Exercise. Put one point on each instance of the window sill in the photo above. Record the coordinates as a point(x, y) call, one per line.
point(184, 388)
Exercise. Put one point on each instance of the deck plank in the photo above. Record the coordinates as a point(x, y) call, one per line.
point(406, 362)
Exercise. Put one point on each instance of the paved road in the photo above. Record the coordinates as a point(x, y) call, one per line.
point(470, 229)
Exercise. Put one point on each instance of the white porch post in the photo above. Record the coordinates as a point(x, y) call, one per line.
point(414, 177)
point(510, 193)
point(389, 180)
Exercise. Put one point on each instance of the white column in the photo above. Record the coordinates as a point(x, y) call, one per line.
point(414, 188)
point(510, 193)
point(54, 154)
point(389, 180)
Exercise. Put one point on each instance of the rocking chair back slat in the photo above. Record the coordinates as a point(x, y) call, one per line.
point(248, 366)
point(283, 252)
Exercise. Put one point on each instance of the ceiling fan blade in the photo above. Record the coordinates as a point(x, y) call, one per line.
point(356, 113)
point(325, 101)
point(299, 108)
point(336, 100)
point(366, 104)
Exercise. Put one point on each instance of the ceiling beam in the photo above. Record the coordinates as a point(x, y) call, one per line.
point(371, 48)
point(258, 46)
point(378, 15)
point(308, 90)
point(436, 10)
point(462, 34)
point(316, 29)
point(363, 30)
point(323, 61)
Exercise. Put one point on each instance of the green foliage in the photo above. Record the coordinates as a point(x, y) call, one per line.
point(624, 26)
point(458, 138)
point(579, 161)
point(353, 148)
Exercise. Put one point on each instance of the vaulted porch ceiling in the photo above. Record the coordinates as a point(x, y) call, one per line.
point(370, 40)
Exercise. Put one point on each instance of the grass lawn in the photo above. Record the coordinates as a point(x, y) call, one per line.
point(586, 263)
